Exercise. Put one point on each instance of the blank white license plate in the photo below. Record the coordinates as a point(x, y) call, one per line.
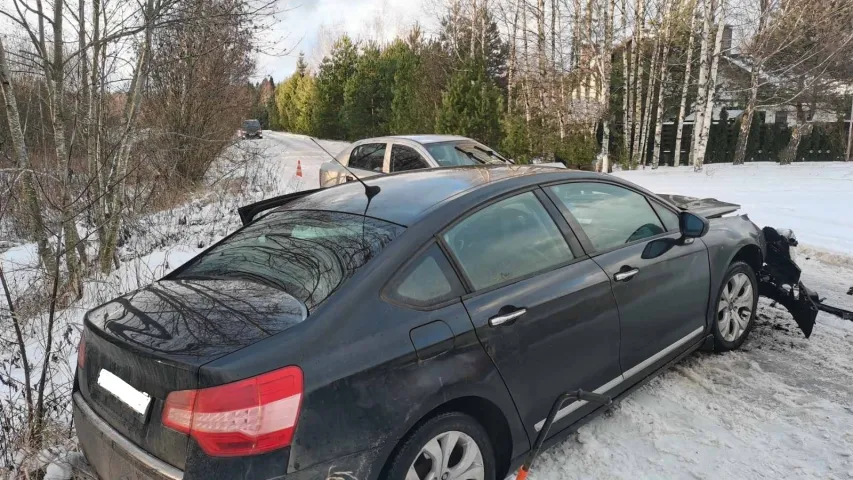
point(120, 389)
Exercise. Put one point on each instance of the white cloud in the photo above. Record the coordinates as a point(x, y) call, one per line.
point(310, 26)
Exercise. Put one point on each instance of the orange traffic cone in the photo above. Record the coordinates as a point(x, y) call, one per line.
point(299, 168)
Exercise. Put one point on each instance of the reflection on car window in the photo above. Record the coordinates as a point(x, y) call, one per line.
point(405, 158)
point(609, 215)
point(369, 156)
point(308, 254)
point(507, 240)
point(667, 216)
point(429, 280)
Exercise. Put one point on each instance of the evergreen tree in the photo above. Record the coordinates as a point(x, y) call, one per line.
point(471, 106)
point(304, 101)
point(368, 95)
point(327, 120)
point(301, 66)
point(456, 36)
point(285, 100)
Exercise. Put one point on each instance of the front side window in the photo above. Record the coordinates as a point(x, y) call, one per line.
point(405, 158)
point(307, 253)
point(429, 280)
point(669, 219)
point(370, 156)
point(610, 216)
point(507, 240)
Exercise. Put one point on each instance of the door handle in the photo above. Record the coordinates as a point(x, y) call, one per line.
point(508, 317)
point(625, 275)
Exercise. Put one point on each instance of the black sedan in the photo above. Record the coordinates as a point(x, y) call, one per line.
point(420, 332)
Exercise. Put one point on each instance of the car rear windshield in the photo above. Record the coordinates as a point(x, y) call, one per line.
point(251, 124)
point(307, 253)
point(454, 154)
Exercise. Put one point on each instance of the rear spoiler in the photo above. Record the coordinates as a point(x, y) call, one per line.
point(249, 212)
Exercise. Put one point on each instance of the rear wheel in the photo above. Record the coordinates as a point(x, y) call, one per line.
point(736, 305)
point(450, 446)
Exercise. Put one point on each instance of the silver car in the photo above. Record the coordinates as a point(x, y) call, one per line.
point(374, 156)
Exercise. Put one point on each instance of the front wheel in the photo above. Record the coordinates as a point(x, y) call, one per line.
point(736, 304)
point(451, 446)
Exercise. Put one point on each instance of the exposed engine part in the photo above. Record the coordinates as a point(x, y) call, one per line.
point(779, 280)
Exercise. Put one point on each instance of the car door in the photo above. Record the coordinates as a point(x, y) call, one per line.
point(661, 283)
point(543, 311)
point(367, 159)
point(404, 158)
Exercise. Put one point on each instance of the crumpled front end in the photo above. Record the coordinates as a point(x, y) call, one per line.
point(779, 280)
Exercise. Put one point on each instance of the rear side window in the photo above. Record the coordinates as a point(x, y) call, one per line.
point(405, 158)
point(307, 253)
point(610, 216)
point(507, 240)
point(428, 280)
point(369, 156)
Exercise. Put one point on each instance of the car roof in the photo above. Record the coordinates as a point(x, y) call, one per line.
point(422, 139)
point(406, 197)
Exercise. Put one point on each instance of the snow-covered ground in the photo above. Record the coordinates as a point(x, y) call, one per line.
point(782, 407)
point(814, 199)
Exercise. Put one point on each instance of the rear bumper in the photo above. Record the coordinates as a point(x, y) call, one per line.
point(113, 456)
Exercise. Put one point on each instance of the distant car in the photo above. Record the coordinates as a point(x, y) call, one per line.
point(251, 129)
point(420, 334)
point(374, 156)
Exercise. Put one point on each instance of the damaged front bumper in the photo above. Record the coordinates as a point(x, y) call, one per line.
point(779, 280)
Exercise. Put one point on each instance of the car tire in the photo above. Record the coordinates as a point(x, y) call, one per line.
point(734, 307)
point(454, 430)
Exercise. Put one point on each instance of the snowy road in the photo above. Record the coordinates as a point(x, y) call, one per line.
point(782, 407)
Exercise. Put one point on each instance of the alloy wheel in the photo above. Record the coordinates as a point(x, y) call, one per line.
point(448, 456)
point(735, 308)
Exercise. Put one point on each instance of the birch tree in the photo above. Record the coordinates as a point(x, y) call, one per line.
point(710, 93)
point(664, 77)
point(685, 86)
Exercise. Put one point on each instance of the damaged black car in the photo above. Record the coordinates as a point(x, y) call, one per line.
point(435, 324)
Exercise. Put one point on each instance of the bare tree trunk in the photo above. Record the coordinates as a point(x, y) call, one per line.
point(609, 12)
point(512, 58)
point(56, 90)
point(637, 83)
point(664, 70)
point(712, 88)
point(800, 130)
point(849, 156)
point(645, 126)
point(704, 67)
point(626, 93)
point(543, 58)
point(116, 183)
point(22, 347)
point(685, 88)
point(754, 75)
point(22, 161)
point(473, 27)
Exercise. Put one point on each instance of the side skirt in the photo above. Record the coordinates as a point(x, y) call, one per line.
point(564, 433)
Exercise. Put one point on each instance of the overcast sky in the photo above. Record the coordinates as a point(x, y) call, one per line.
point(307, 26)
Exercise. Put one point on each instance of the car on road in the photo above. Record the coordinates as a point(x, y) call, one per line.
point(401, 153)
point(420, 332)
point(251, 129)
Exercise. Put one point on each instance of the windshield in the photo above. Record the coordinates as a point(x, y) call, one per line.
point(251, 124)
point(454, 154)
point(307, 253)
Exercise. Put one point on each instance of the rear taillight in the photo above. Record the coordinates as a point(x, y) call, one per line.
point(81, 353)
point(248, 417)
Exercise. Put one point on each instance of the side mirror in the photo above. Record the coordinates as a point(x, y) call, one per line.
point(692, 225)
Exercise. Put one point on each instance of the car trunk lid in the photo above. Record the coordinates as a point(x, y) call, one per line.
point(148, 343)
